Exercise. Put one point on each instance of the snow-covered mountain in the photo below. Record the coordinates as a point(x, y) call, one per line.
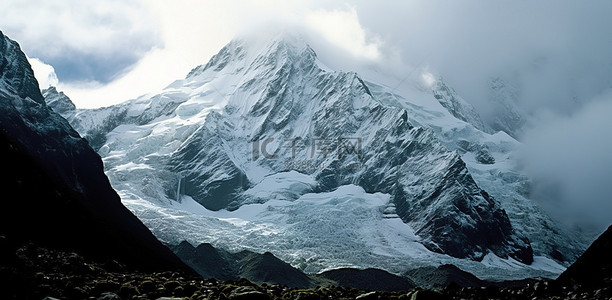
point(265, 148)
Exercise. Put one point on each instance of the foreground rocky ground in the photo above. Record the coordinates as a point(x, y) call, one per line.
point(29, 271)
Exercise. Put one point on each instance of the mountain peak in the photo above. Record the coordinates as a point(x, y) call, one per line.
point(16, 74)
point(58, 101)
point(283, 39)
point(281, 48)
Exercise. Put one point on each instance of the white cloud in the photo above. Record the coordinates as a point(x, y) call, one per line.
point(189, 33)
point(342, 28)
point(44, 73)
point(54, 27)
point(558, 51)
point(466, 42)
point(82, 40)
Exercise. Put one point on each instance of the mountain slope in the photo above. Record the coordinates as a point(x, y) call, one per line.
point(490, 159)
point(594, 267)
point(53, 185)
point(442, 276)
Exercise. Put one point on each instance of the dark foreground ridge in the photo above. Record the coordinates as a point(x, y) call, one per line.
point(30, 271)
point(211, 262)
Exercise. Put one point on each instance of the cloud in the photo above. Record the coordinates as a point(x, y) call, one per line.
point(44, 73)
point(191, 31)
point(82, 41)
point(570, 159)
point(557, 52)
point(343, 29)
point(103, 57)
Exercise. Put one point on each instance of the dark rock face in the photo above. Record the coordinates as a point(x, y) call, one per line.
point(268, 268)
point(594, 267)
point(16, 75)
point(215, 188)
point(32, 271)
point(447, 208)
point(53, 185)
point(368, 279)
point(206, 260)
point(484, 157)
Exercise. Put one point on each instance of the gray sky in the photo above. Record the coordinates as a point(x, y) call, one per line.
point(558, 52)
point(559, 48)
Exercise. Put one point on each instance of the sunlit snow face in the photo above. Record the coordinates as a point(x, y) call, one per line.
point(428, 79)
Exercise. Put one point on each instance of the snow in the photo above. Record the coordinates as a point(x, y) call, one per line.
point(282, 185)
point(318, 232)
point(131, 166)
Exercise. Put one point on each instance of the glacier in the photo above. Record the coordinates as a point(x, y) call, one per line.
point(431, 184)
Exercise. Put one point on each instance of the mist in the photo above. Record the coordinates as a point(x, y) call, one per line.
point(557, 52)
point(570, 161)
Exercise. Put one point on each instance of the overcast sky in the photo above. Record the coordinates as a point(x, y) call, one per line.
point(102, 53)
point(558, 52)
